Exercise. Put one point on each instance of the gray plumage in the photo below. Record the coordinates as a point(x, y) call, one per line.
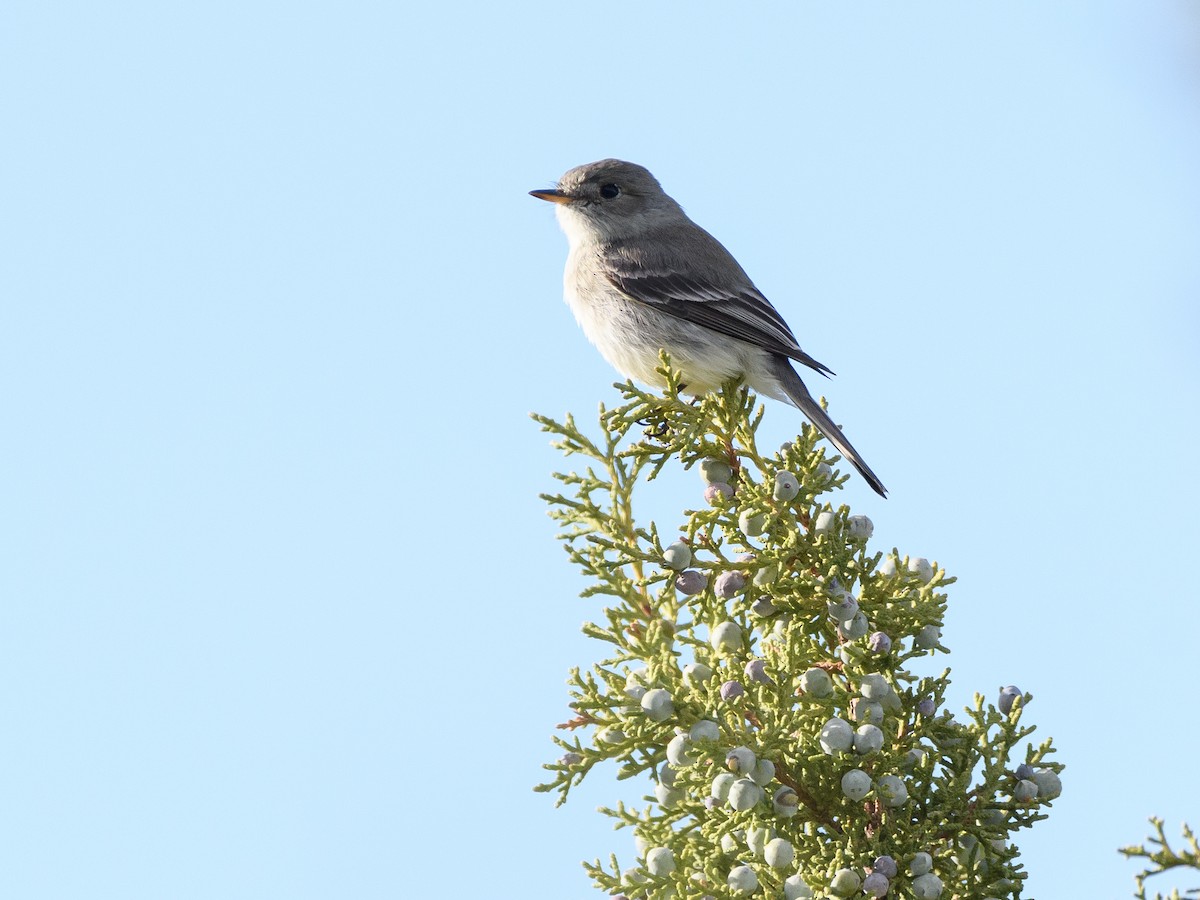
point(641, 276)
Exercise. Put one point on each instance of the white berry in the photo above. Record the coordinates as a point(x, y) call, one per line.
point(824, 523)
point(742, 880)
point(796, 888)
point(744, 794)
point(657, 704)
point(816, 682)
point(660, 861)
point(779, 853)
point(921, 567)
point(845, 882)
point(726, 637)
point(860, 528)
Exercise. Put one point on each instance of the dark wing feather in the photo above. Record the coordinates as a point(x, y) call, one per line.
point(720, 297)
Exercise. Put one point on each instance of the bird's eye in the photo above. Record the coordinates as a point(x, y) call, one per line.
point(610, 192)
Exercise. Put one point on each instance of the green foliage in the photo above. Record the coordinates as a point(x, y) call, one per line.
point(1164, 858)
point(788, 590)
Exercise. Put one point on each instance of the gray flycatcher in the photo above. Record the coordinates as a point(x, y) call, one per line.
point(641, 276)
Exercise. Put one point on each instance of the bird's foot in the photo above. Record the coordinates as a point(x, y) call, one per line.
point(656, 429)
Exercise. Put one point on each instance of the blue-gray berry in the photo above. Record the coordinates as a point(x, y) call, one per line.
point(678, 556)
point(920, 864)
point(756, 839)
point(969, 853)
point(816, 682)
point(868, 739)
point(928, 637)
point(892, 790)
point(879, 643)
point(765, 575)
point(715, 470)
point(860, 528)
point(1025, 791)
point(667, 796)
point(740, 760)
point(864, 710)
point(885, 866)
point(787, 486)
point(1008, 696)
point(914, 757)
point(856, 784)
point(1048, 782)
point(926, 887)
point(635, 678)
point(855, 628)
point(763, 607)
point(836, 736)
point(875, 885)
point(729, 584)
point(691, 582)
point(991, 817)
point(874, 686)
point(842, 607)
point(721, 785)
point(731, 690)
point(718, 494)
point(726, 637)
point(752, 522)
point(764, 772)
point(635, 691)
point(679, 751)
point(786, 802)
point(756, 670)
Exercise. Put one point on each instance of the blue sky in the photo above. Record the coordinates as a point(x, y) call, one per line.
point(280, 611)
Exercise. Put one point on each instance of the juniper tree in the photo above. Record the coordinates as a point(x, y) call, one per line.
point(757, 677)
point(1165, 858)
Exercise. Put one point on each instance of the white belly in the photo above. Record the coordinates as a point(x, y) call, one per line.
point(629, 336)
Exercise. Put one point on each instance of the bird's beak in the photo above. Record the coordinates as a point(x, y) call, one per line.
point(553, 196)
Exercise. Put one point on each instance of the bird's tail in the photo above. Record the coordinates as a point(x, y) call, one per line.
point(803, 400)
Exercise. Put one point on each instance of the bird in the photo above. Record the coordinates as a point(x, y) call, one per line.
point(642, 277)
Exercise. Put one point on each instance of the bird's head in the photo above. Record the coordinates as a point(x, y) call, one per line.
point(610, 199)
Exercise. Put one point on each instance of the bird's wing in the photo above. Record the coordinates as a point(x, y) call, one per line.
point(721, 298)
